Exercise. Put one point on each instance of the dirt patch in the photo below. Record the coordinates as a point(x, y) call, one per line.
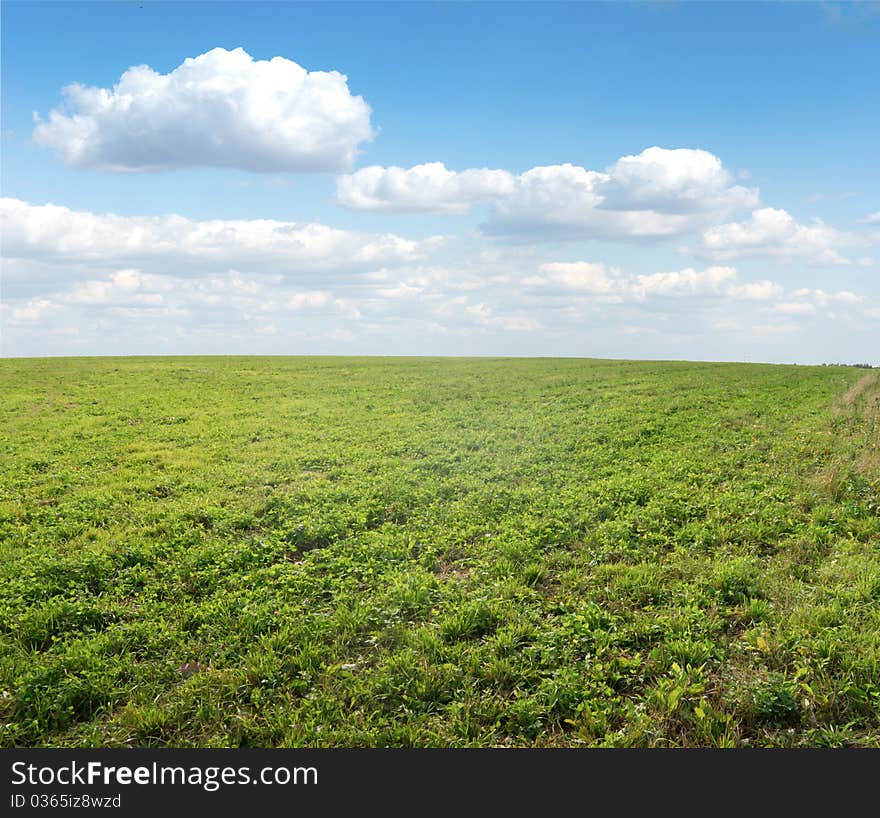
point(861, 403)
point(447, 571)
point(859, 388)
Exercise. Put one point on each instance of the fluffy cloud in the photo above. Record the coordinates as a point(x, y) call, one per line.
point(873, 219)
point(59, 234)
point(486, 316)
point(794, 308)
point(122, 287)
point(33, 310)
point(133, 293)
point(428, 187)
point(756, 290)
point(613, 285)
point(566, 202)
point(711, 281)
point(775, 233)
point(586, 277)
point(222, 108)
point(673, 181)
point(823, 299)
point(656, 193)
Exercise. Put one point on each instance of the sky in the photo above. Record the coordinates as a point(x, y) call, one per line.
point(643, 180)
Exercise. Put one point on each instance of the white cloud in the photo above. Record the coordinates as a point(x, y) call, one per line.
point(711, 281)
point(612, 285)
point(34, 310)
point(135, 294)
point(673, 181)
point(795, 308)
point(486, 316)
point(873, 219)
point(587, 277)
point(823, 299)
point(656, 193)
point(756, 290)
point(428, 187)
point(309, 298)
point(222, 108)
point(56, 233)
point(775, 233)
point(127, 286)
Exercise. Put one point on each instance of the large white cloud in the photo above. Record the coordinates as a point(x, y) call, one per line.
point(222, 108)
point(55, 233)
point(776, 233)
point(659, 192)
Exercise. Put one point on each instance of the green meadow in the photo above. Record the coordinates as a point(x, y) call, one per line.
point(438, 552)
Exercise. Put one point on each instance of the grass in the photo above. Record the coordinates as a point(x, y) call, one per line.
point(429, 552)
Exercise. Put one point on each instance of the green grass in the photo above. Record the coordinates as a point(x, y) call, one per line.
point(441, 552)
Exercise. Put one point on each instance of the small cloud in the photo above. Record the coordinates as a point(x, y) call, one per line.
point(775, 233)
point(795, 308)
point(34, 310)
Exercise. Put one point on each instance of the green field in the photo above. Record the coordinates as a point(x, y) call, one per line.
point(438, 552)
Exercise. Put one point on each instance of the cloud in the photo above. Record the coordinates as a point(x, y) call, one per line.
point(486, 316)
point(51, 232)
point(823, 299)
point(795, 308)
point(429, 187)
point(34, 310)
point(711, 281)
point(873, 220)
point(673, 181)
point(756, 290)
point(591, 278)
point(564, 202)
point(127, 286)
point(222, 109)
point(133, 293)
point(656, 193)
point(612, 285)
point(774, 233)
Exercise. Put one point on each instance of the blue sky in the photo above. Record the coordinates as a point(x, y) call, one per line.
point(709, 185)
